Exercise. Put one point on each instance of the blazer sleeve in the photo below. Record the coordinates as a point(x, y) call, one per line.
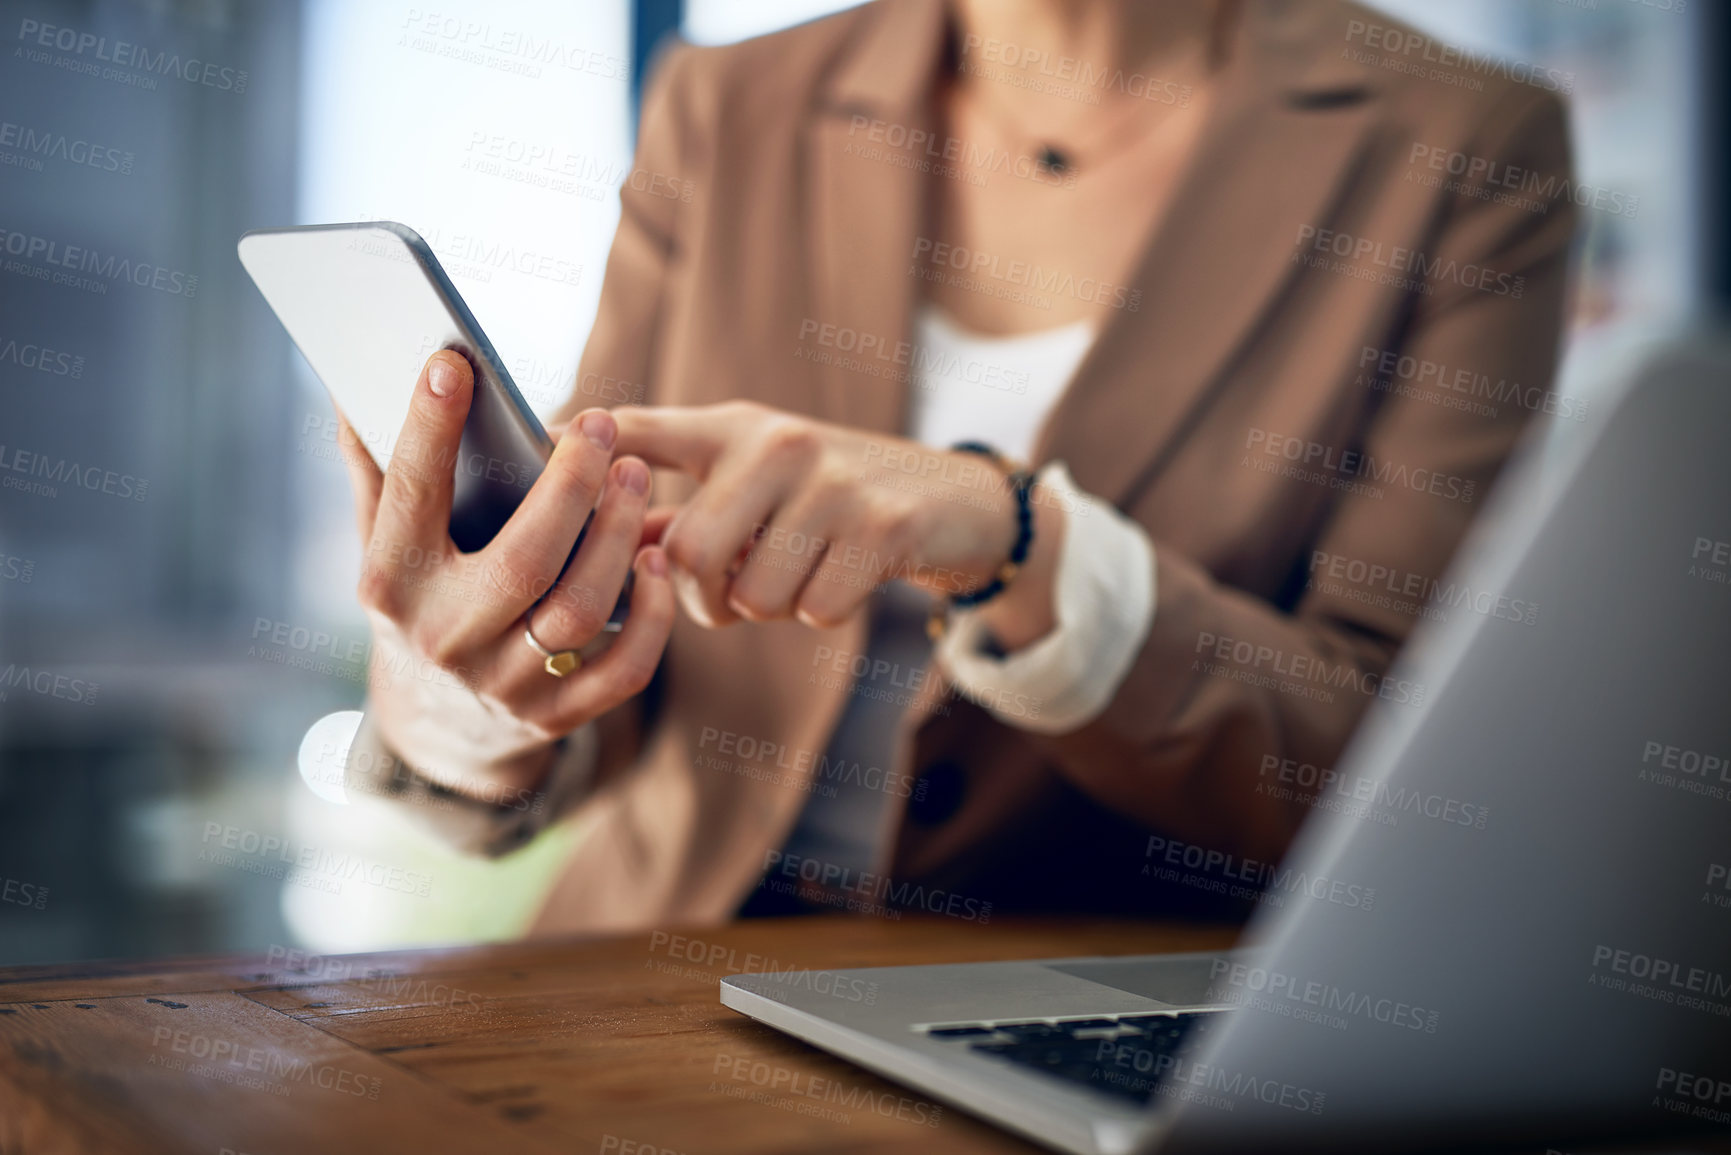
point(1182, 745)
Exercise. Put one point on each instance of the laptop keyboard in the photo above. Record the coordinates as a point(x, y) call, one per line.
point(1120, 1055)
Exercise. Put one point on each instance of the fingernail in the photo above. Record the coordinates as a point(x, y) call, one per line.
point(442, 377)
point(690, 595)
point(634, 476)
point(598, 426)
point(655, 562)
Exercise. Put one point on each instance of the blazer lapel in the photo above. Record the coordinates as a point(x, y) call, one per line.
point(1289, 121)
point(867, 199)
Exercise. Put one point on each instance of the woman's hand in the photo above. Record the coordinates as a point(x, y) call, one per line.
point(455, 688)
point(798, 518)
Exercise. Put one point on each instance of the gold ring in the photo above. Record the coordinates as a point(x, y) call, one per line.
point(558, 663)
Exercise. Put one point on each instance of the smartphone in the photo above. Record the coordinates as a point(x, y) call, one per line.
point(367, 304)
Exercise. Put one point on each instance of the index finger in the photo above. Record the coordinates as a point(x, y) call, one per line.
point(672, 437)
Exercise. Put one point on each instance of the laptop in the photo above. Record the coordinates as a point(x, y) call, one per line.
point(1547, 955)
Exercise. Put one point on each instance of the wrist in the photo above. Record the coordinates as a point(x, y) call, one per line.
point(1015, 599)
point(508, 776)
point(481, 775)
point(1027, 610)
point(996, 559)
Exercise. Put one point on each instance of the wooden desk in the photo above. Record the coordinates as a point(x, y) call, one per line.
point(617, 1046)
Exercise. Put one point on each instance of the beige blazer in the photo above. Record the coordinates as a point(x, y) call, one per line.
point(1333, 347)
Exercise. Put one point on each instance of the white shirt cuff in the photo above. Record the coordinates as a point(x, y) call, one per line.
point(1105, 604)
point(492, 826)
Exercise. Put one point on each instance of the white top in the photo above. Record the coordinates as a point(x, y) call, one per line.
point(999, 390)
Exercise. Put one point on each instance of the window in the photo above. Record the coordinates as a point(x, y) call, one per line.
point(724, 21)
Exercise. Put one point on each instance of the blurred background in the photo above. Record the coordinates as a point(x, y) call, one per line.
point(175, 617)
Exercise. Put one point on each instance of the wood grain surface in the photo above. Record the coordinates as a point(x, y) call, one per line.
point(608, 1045)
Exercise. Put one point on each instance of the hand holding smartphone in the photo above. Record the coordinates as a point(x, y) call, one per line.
point(367, 304)
point(476, 526)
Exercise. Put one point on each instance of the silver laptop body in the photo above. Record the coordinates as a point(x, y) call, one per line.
point(1547, 958)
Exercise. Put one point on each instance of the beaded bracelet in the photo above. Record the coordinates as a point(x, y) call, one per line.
point(1021, 483)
